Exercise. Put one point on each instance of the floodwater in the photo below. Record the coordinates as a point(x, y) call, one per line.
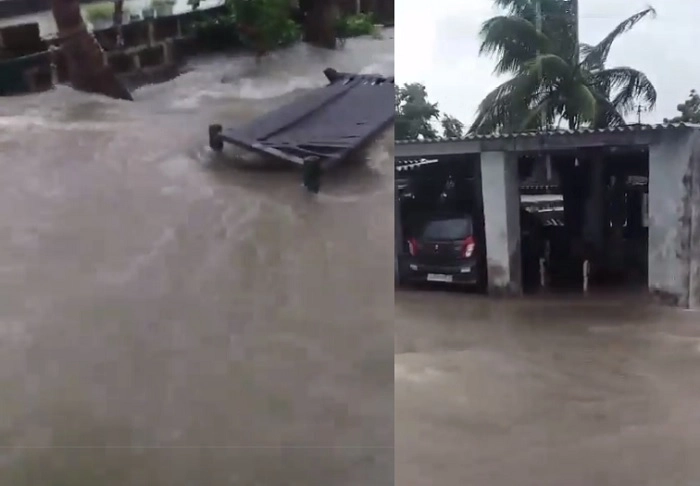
point(545, 392)
point(171, 317)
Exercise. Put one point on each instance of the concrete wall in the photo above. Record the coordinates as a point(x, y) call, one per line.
point(25, 65)
point(501, 195)
point(382, 9)
point(152, 51)
point(151, 46)
point(694, 280)
point(673, 221)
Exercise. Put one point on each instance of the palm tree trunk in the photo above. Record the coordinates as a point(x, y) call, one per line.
point(319, 26)
point(87, 67)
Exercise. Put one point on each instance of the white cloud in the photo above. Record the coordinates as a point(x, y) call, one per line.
point(436, 43)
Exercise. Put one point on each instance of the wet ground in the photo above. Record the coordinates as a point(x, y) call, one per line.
point(552, 392)
point(168, 317)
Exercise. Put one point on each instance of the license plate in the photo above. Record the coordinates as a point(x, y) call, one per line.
point(437, 277)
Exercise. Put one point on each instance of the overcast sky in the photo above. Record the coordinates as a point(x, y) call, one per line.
point(436, 43)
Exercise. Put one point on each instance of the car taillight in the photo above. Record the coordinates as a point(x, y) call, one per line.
point(468, 247)
point(413, 246)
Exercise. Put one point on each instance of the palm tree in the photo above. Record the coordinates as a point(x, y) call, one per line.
point(554, 76)
point(87, 68)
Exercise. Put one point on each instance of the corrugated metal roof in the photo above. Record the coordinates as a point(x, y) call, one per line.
point(561, 132)
point(402, 165)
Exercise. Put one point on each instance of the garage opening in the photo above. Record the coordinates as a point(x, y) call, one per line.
point(584, 223)
point(441, 222)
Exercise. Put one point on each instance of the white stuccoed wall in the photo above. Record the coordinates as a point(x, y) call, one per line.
point(674, 219)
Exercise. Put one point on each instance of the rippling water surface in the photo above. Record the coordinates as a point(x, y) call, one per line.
point(168, 317)
point(574, 392)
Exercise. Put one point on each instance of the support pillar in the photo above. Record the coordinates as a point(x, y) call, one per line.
point(594, 229)
point(398, 235)
point(501, 193)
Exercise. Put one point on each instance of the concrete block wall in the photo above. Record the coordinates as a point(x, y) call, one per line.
point(152, 50)
point(383, 9)
point(149, 45)
point(25, 63)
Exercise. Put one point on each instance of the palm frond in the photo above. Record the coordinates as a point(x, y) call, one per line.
point(513, 40)
point(585, 49)
point(504, 108)
point(598, 55)
point(550, 68)
point(628, 87)
point(606, 114)
point(543, 114)
point(583, 104)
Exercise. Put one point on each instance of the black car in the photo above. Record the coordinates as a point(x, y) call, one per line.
point(443, 249)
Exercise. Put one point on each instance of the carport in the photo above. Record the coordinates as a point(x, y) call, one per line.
point(673, 154)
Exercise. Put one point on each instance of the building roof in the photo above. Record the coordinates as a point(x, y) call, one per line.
point(561, 132)
point(626, 136)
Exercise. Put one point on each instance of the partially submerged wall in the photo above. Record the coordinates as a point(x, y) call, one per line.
point(25, 63)
point(674, 219)
point(150, 47)
point(152, 50)
point(694, 200)
point(383, 9)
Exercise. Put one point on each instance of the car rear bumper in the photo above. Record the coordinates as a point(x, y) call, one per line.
point(460, 273)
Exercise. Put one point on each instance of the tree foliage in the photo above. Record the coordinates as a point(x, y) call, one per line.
point(451, 127)
point(265, 25)
point(689, 110)
point(418, 118)
point(414, 113)
point(553, 76)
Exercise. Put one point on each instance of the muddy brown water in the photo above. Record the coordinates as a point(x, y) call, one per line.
point(545, 392)
point(170, 318)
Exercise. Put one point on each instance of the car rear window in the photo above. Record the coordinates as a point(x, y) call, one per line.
point(447, 229)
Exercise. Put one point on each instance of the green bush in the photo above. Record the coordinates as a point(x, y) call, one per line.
point(289, 34)
point(218, 32)
point(355, 26)
point(266, 24)
point(262, 25)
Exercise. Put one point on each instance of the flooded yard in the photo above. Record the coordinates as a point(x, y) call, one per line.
point(545, 393)
point(170, 318)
